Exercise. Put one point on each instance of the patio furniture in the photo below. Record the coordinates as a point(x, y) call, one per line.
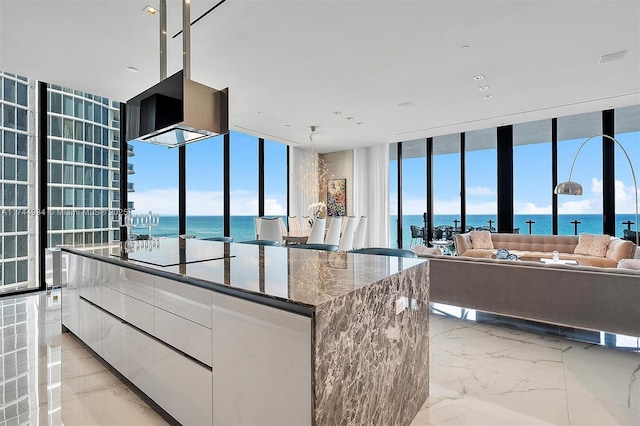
point(417, 233)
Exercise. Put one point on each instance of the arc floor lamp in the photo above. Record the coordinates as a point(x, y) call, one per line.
point(574, 188)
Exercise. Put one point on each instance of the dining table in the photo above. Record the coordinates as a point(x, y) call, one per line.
point(296, 237)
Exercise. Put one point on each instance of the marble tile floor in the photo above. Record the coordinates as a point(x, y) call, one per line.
point(481, 374)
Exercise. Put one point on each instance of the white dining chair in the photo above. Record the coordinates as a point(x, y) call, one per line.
point(256, 223)
point(294, 224)
point(361, 232)
point(346, 239)
point(333, 234)
point(317, 231)
point(270, 229)
point(283, 227)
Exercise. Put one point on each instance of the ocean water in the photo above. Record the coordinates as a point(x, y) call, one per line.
point(242, 227)
point(589, 223)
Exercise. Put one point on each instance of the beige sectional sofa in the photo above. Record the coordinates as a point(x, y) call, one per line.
point(535, 247)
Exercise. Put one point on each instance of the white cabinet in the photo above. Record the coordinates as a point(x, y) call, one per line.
point(183, 387)
point(184, 335)
point(114, 345)
point(245, 362)
point(261, 364)
point(140, 360)
point(128, 308)
point(184, 300)
point(90, 327)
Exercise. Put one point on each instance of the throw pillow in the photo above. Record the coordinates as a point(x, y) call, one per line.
point(481, 240)
point(592, 245)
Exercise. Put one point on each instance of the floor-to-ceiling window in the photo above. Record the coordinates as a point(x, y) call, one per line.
point(414, 190)
point(393, 195)
point(446, 182)
point(244, 185)
point(205, 188)
point(275, 179)
point(532, 177)
point(481, 179)
point(18, 221)
point(580, 214)
point(627, 129)
point(155, 169)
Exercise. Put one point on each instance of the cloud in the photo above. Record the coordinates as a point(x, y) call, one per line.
point(203, 203)
point(482, 191)
point(530, 208)
point(585, 206)
point(490, 207)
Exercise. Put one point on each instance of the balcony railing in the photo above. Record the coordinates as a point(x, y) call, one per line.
point(130, 169)
point(130, 151)
point(130, 187)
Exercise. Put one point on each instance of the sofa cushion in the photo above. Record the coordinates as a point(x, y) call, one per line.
point(592, 245)
point(621, 249)
point(481, 240)
point(629, 264)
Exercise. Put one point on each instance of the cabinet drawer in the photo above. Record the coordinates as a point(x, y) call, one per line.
point(187, 336)
point(187, 301)
point(90, 326)
point(133, 283)
point(128, 308)
point(183, 387)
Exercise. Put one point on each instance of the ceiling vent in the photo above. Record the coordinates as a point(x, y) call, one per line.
point(615, 56)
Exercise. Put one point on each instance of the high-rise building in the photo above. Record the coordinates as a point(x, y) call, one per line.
point(83, 167)
point(17, 181)
point(83, 179)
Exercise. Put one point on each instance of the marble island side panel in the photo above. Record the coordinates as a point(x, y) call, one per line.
point(371, 363)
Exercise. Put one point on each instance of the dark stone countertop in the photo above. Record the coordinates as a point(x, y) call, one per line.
point(271, 275)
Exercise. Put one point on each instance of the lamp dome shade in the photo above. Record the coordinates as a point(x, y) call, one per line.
point(568, 188)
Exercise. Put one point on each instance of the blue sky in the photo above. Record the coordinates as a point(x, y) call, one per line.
point(532, 179)
point(156, 174)
point(156, 177)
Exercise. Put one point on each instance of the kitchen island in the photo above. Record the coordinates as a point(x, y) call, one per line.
point(218, 333)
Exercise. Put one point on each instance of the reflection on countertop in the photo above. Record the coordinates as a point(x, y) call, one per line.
point(305, 277)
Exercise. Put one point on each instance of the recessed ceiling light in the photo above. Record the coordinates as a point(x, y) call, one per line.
point(132, 69)
point(337, 112)
point(479, 77)
point(359, 122)
point(483, 88)
point(287, 125)
point(488, 96)
point(349, 118)
point(464, 46)
point(150, 10)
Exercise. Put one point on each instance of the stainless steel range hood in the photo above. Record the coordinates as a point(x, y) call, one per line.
point(177, 111)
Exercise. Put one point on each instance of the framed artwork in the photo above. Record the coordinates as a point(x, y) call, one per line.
point(337, 197)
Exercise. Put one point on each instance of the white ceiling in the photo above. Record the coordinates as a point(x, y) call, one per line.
point(296, 62)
